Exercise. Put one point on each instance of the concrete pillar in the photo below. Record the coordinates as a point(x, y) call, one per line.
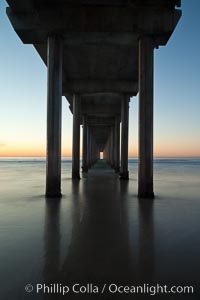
point(107, 149)
point(76, 138)
point(54, 108)
point(92, 151)
point(124, 174)
point(89, 148)
point(117, 144)
point(85, 145)
point(112, 147)
point(145, 170)
point(105, 152)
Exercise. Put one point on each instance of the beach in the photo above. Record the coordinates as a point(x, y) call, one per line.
point(99, 232)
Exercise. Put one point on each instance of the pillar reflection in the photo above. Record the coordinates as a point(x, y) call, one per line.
point(107, 243)
point(52, 238)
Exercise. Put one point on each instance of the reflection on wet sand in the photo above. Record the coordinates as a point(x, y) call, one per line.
point(99, 232)
point(146, 241)
point(101, 246)
point(52, 238)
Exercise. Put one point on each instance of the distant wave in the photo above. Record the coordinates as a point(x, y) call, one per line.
point(29, 159)
point(175, 160)
point(157, 160)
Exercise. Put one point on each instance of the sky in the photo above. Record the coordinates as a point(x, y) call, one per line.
point(23, 81)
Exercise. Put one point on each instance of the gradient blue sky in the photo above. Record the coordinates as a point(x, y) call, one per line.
point(176, 91)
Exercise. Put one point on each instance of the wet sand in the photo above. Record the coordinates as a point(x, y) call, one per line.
point(98, 233)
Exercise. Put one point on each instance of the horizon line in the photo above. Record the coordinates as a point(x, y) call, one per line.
point(156, 156)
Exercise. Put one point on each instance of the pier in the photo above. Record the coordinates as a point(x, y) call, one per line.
point(98, 54)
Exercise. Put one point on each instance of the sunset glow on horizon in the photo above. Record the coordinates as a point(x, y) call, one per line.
point(173, 150)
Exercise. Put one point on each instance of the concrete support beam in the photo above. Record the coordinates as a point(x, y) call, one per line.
point(124, 174)
point(85, 145)
point(89, 142)
point(54, 107)
point(109, 149)
point(117, 145)
point(92, 151)
point(100, 86)
point(33, 28)
point(105, 152)
point(112, 146)
point(76, 138)
point(145, 175)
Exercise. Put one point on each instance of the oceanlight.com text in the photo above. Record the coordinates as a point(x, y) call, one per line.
point(111, 288)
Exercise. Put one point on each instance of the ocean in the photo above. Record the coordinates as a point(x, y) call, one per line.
point(98, 232)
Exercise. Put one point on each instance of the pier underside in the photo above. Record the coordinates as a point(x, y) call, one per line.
point(98, 54)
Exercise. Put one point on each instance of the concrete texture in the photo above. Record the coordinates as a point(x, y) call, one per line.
point(54, 112)
point(146, 59)
point(76, 138)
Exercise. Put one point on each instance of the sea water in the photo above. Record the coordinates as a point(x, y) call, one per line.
point(99, 229)
point(22, 173)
